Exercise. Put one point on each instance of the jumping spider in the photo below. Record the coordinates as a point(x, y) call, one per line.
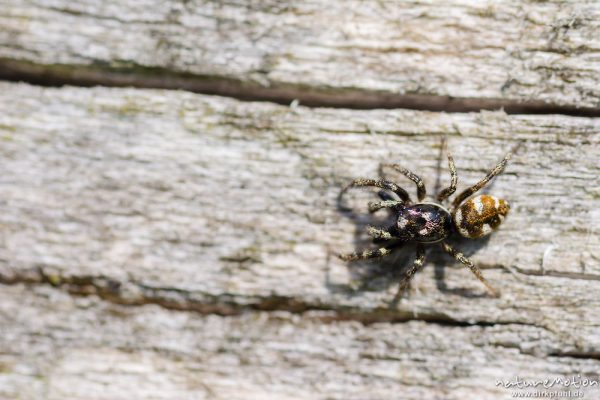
point(427, 222)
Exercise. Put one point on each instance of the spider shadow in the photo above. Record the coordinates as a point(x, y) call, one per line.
point(380, 274)
point(375, 274)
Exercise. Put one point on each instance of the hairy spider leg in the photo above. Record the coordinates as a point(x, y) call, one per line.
point(378, 205)
point(386, 234)
point(447, 192)
point(387, 201)
point(481, 184)
point(474, 269)
point(417, 265)
point(421, 191)
point(380, 183)
point(370, 254)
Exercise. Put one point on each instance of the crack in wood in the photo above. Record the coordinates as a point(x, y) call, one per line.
point(277, 92)
point(136, 294)
point(577, 355)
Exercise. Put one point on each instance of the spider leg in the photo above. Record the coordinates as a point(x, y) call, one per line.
point(417, 265)
point(387, 201)
point(382, 184)
point(444, 194)
point(387, 234)
point(421, 192)
point(369, 254)
point(468, 263)
point(479, 185)
point(378, 205)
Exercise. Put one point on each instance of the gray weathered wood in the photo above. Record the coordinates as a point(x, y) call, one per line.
point(60, 347)
point(358, 52)
point(208, 204)
point(160, 244)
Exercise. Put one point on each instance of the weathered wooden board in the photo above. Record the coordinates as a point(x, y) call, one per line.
point(160, 244)
point(436, 55)
point(62, 347)
point(213, 205)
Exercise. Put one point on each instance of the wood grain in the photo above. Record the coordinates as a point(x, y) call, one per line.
point(63, 347)
point(212, 205)
point(524, 56)
point(162, 244)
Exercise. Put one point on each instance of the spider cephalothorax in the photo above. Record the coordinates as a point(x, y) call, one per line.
point(426, 223)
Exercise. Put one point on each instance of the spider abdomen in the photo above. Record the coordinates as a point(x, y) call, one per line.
point(480, 215)
point(424, 223)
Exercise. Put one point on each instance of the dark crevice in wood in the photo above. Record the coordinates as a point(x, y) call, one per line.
point(594, 355)
point(281, 93)
point(138, 294)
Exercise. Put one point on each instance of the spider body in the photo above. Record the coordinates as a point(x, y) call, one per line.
point(480, 215)
point(429, 223)
point(423, 223)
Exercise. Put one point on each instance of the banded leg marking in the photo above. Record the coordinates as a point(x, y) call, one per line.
point(444, 194)
point(481, 184)
point(369, 254)
point(382, 184)
point(408, 275)
point(421, 191)
point(474, 269)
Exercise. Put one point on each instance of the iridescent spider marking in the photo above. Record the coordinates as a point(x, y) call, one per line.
point(427, 223)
